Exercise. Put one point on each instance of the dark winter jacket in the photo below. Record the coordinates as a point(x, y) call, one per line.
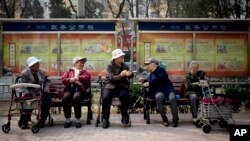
point(159, 82)
point(113, 78)
point(190, 79)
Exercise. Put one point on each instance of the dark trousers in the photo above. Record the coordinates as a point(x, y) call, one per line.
point(68, 99)
point(193, 103)
point(45, 107)
point(108, 94)
point(160, 98)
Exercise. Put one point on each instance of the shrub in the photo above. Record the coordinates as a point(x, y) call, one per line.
point(135, 93)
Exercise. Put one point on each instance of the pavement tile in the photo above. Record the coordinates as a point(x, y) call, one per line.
point(139, 131)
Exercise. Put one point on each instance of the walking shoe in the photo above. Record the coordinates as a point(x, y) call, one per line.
point(24, 126)
point(175, 123)
point(105, 123)
point(78, 125)
point(67, 124)
point(165, 121)
point(125, 120)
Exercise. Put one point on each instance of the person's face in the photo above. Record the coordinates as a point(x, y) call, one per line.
point(35, 67)
point(120, 59)
point(151, 67)
point(194, 68)
point(79, 64)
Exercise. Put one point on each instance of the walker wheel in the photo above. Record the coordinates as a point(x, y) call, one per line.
point(35, 128)
point(198, 124)
point(223, 124)
point(6, 128)
point(206, 128)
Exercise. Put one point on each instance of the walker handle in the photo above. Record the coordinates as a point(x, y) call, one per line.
point(20, 85)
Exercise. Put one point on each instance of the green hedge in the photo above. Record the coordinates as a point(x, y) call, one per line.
point(240, 95)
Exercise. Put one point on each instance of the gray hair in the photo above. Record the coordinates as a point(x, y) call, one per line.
point(193, 62)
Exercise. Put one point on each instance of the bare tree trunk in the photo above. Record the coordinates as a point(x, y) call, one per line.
point(147, 8)
point(237, 9)
point(6, 8)
point(137, 8)
point(131, 8)
point(12, 10)
point(24, 8)
point(169, 12)
point(120, 9)
point(218, 9)
point(247, 9)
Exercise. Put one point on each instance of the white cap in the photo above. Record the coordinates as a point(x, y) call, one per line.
point(78, 58)
point(32, 60)
point(117, 53)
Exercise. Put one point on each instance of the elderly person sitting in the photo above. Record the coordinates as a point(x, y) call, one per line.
point(76, 81)
point(34, 75)
point(160, 88)
point(193, 88)
point(116, 83)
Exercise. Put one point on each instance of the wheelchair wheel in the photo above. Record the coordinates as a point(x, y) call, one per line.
point(6, 128)
point(35, 128)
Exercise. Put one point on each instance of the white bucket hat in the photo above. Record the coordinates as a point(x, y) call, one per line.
point(78, 59)
point(32, 60)
point(117, 53)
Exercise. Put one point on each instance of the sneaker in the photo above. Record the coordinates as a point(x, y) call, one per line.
point(175, 123)
point(105, 123)
point(67, 124)
point(78, 125)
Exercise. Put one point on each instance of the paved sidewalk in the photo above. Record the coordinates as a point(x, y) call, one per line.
point(139, 131)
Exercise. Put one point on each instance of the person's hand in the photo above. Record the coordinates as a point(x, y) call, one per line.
point(123, 73)
point(146, 84)
point(141, 79)
point(73, 79)
point(128, 73)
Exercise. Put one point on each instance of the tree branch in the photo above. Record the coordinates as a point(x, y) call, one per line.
point(120, 9)
point(72, 6)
